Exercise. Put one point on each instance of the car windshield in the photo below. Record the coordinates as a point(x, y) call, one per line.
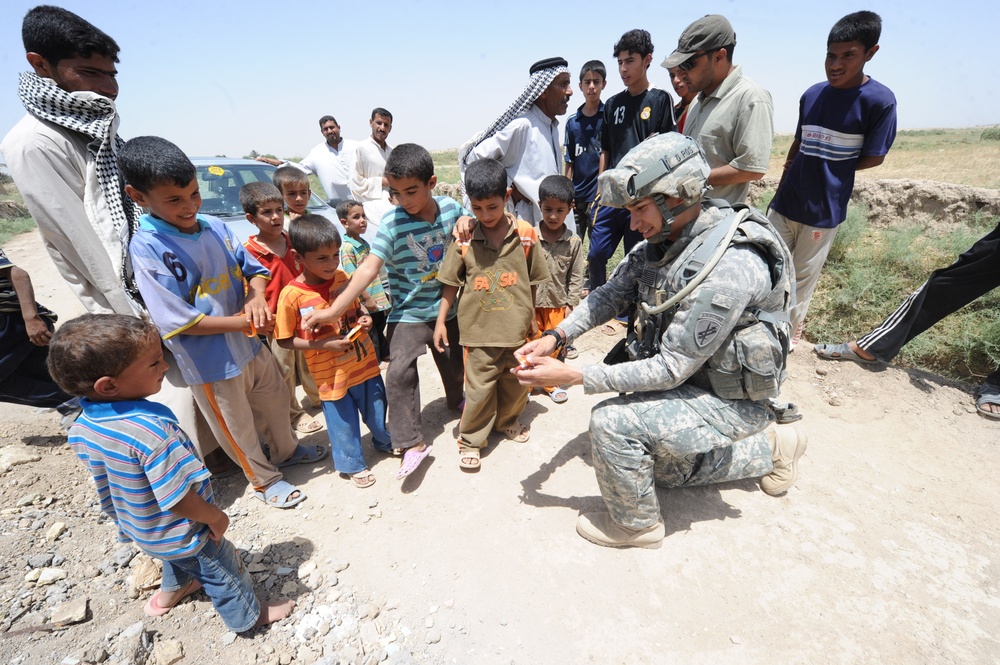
point(220, 185)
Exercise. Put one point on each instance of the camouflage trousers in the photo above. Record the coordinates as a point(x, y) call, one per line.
point(674, 438)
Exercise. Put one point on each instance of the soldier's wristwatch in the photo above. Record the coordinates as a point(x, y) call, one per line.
point(560, 340)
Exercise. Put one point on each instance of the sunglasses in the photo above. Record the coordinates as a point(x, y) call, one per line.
point(688, 64)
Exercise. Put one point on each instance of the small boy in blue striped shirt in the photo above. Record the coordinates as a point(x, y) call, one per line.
point(148, 478)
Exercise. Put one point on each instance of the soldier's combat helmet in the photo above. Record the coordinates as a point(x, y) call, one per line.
point(666, 165)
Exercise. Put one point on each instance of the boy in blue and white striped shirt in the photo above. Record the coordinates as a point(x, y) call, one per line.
point(149, 480)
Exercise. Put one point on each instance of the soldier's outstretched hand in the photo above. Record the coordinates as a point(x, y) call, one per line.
point(547, 371)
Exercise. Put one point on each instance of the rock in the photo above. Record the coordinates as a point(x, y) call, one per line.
point(11, 456)
point(332, 580)
point(56, 530)
point(836, 401)
point(50, 575)
point(255, 568)
point(123, 555)
point(267, 648)
point(306, 569)
point(305, 656)
point(40, 560)
point(95, 655)
point(285, 659)
point(132, 645)
point(228, 638)
point(339, 566)
point(284, 570)
point(370, 610)
point(32, 575)
point(75, 611)
point(28, 499)
point(70, 660)
point(289, 588)
point(735, 639)
point(373, 502)
point(300, 540)
point(368, 632)
point(428, 622)
point(449, 603)
point(822, 371)
point(168, 652)
point(433, 637)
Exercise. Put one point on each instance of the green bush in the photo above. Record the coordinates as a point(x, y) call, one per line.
point(16, 226)
point(991, 134)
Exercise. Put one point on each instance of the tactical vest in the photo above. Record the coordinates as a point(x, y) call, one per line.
point(750, 364)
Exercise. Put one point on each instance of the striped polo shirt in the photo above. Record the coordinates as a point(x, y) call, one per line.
point(334, 372)
point(412, 250)
point(142, 464)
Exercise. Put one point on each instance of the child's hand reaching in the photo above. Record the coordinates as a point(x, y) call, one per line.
point(440, 337)
point(365, 322)
point(463, 228)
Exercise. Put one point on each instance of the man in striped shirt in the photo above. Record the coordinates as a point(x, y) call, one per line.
point(148, 478)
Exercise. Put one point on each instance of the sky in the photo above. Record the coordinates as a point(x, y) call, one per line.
point(225, 78)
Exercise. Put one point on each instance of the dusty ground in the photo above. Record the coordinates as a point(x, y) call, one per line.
point(884, 551)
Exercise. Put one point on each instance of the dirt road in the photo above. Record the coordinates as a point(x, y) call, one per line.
point(884, 551)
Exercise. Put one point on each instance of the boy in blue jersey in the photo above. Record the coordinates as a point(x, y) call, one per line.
point(149, 481)
point(845, 125)
point(582, 144)
point(205, 293)
point(411, 244)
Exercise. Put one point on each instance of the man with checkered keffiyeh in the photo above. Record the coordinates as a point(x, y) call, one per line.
point(63, 157)
point(525, 138)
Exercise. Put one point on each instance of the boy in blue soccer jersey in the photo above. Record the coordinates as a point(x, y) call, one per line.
point(411, 244)
point(205, 293)
point(148, 478)
point(845, 125)
point(582, 144)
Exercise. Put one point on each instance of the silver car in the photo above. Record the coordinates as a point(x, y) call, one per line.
point(220, 180)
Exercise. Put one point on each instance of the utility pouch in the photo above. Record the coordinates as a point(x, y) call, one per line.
point(748, 365)
point(617, 354)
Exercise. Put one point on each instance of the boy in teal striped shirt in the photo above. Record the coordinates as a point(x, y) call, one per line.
point(411, 243)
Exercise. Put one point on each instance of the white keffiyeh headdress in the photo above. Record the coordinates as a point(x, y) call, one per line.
point(537, 84)
point(92, 116)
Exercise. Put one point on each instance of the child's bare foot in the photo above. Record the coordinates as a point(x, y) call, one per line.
point(275, 610)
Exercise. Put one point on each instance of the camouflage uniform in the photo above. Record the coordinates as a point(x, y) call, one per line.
point(672, 428)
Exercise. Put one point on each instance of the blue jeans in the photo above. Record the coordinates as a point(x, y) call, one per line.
point(367, 399)
point(224, 578)
point(611, 226)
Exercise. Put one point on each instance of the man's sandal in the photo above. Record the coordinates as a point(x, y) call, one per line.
point(468, 457)
point(988, 395)
point(279, 495)
point(841, 351)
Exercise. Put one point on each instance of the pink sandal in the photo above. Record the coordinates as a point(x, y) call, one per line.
point(411, 460)
point(153, 607)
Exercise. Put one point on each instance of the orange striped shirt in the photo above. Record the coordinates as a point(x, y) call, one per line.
point(334, 372)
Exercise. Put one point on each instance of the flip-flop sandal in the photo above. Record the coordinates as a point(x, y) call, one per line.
point(841, 352)
point(306, 424)
point(517, 432)
point(558, 395)
point(571, 352)
point(411, 460)
point(988, 394)
point(363, 479)
point(612, 328)
point(468, 458)
point(153, 607)
point(279, 495)
point(305, 455)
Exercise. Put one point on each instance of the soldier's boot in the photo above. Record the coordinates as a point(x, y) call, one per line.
point(600, 529)
point(787, 446)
